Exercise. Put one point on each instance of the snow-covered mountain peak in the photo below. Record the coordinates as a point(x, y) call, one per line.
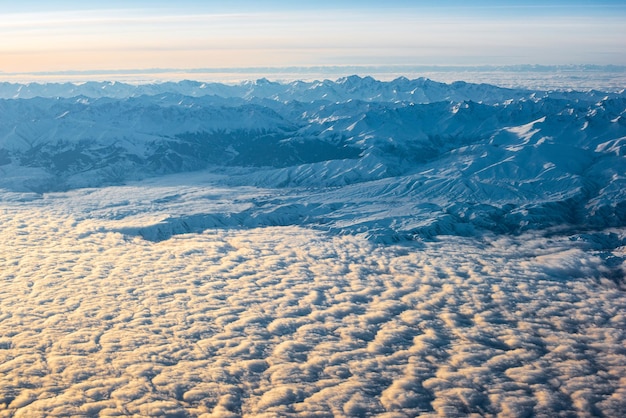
point(514, 159)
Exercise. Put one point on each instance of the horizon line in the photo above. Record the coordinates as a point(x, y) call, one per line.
point(297, 68)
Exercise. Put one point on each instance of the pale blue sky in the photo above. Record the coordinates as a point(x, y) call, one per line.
point(40, 36)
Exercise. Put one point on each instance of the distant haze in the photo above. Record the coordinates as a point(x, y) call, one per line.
point(42, 36)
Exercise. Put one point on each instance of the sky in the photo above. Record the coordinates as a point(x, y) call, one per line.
point(42, 36)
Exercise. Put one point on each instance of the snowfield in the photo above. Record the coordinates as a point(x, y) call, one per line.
point(320, 249)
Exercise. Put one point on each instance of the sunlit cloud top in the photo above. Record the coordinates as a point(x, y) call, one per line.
point(44, 36)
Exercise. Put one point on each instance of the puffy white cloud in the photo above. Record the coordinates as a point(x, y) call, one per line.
point(294, 322)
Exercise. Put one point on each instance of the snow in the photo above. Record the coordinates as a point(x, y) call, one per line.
point(397, 249)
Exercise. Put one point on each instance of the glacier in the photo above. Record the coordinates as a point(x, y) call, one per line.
point(311, 248)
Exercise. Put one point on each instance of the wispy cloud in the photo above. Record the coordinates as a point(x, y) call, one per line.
point(194, 38)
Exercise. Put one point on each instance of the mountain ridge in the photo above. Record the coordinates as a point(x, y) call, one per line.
point(406, 158)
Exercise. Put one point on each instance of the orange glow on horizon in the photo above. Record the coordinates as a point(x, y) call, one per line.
point(125, 39)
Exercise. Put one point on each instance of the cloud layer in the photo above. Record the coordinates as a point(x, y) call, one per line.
point(287, 321)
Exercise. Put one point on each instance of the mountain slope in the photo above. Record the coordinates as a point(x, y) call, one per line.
point(395, 160)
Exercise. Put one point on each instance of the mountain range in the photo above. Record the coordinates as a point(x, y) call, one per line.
point(397, 160)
